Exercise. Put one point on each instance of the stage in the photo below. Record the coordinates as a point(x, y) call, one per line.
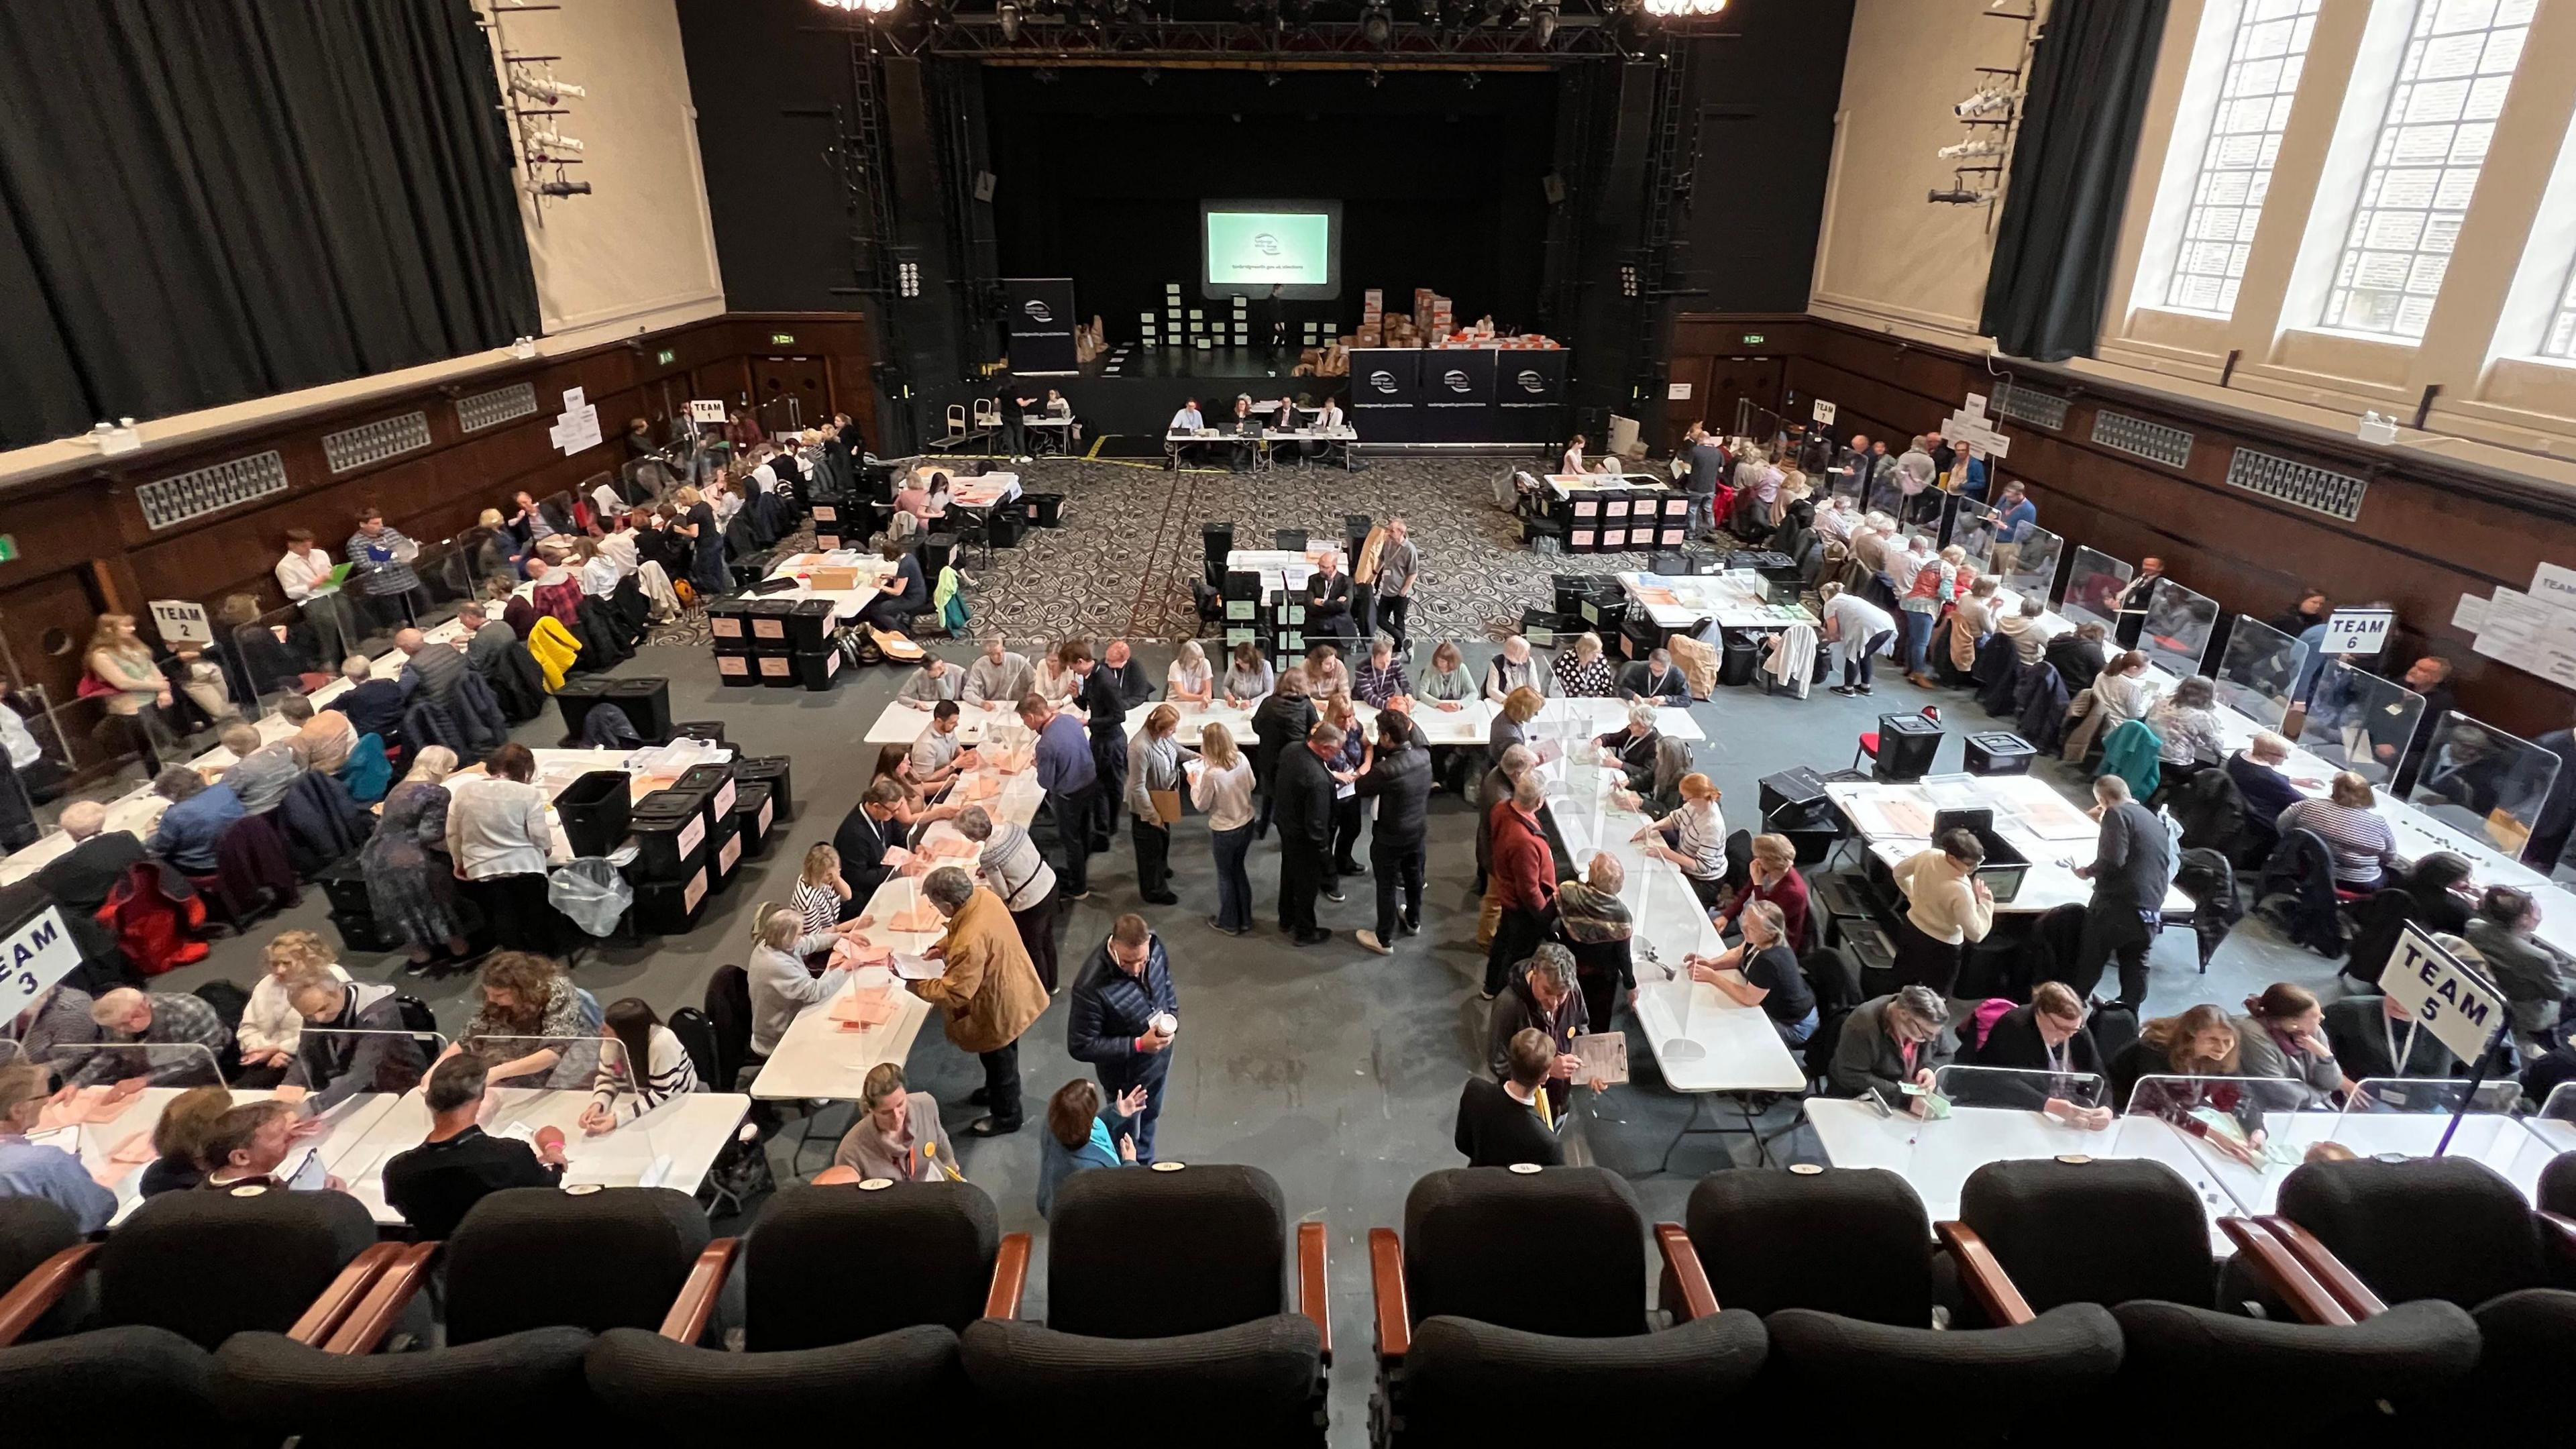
point(1456, 397)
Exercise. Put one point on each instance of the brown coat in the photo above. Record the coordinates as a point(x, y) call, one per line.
point(990, 991)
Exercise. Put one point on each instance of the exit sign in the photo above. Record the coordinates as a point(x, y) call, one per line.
point(8, 547)
point(782, 339)
point(1752, 339)
point(665, 357)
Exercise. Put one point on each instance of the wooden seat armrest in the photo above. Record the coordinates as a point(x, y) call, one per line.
point(343, 1296)
point(687, 1320)
point(1986, 1279)
point(365, 1327)
point(1314, 1294)
point(1684, 1291)
point(38, 1292)
point(1010, 1277)
point(1386, 1290)
point(2280, 1272)
point(2339, 1281)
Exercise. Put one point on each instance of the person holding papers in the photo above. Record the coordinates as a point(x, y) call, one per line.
point(251, 1142)
point(989, 992)
point(1892, 1043)
point(1634, 749)
point(435, 1184)
point(1154, 781)
point(898, 1135)
point(2132, 865)
point(1543, 994)
point(1524, 876)
point(312, 583)
point(32, 1169)
point(1013, 867)
point(1693, 838)
point(1596, 926)
point(866, 834)
point(1946, 909)
point(936, 680)
point(936, 757)
point(1654, 679)
point(1509, 1122)
point(1072, 784)
point(998, 676)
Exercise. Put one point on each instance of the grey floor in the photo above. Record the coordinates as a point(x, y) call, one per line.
point(1335, 1070)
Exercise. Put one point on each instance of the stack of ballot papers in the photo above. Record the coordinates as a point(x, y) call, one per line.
point(862, 1007)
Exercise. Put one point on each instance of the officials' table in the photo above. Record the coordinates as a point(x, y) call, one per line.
point(1680, 604)
point(674, 1145)
point(846, 603)
point(1894, 821)
point(2504, 1143)
point(1470, 724)
point(1045, 428)
point(347, 1126)
point(900, 724)
point(1703, 1042)
point(1273, 438)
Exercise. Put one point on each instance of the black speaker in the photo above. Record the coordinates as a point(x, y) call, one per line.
point(1907, 744)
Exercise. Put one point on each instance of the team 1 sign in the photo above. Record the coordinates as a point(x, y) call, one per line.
point(2455, 1004)
point(2358, 631)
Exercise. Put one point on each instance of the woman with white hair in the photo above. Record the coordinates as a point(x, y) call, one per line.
point(411, 880)
point(1583, 671)
point(1513, 668)
point(1634, 749)
point(780, 985)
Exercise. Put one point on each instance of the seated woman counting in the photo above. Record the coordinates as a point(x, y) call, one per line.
point(1693, 838)
point(1762, 971)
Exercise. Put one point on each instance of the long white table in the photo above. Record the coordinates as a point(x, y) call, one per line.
point(818, 1058)
point(846, 603)
point(1894, 821)
point(2417, 833)
point(1724, 599)
point(1470, 724)
point(900, 723)
point(684, 1136)
point(139, 1114)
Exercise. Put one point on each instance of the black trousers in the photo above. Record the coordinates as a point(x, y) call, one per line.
point(1002, 1084)
point(1073, 813)
point(2113, 929)
point(1109, 762)
point(1346, 835)
point(1922, 961)
point(1516, 936)
point(516, 906)
point(1153, 857)
point(1302, 864)
point(1398, 866)
point(1037, 937)
point(1391, 609)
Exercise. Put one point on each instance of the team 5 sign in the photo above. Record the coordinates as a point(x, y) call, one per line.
point(2455, 1004)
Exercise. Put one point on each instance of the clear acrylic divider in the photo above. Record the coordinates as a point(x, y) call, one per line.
point(2258, 672)
point(2357, 721)
point(2076, 1099)
point(2400, 1117)
point(566, 1063)
point(1974, 528)
point(447, 582)
point(2244, 1133)
point(2555, 1123)
point(382, 1061)
point(2094, 581)
point(2028, 565)
point(103, 1070)
point(491, 558)
point(2179, 623)
point(2483, 782)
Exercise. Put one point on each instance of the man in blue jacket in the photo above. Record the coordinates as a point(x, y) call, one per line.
point(1123, 989)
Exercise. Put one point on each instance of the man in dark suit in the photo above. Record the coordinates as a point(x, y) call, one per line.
point(1504, 1123)
point(81, 878)
point(2131, 867)
point(1116, 1020)
point(2256, 769)
point(374, 706)
point(862, 841)
point(1303, 811)
point(1104, 704)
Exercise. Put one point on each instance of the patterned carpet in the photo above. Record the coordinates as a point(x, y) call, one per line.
point(1130, 546)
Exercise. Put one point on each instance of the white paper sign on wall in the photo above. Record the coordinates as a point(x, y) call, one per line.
point(2358, 631)
point(2455, 1004)
point(1677, 391)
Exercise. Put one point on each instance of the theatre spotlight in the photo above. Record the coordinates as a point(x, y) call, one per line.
point(869, 8)
point(1543, 23)
point(561, 188)
point(1009, 16)
point(1681, 9)
point(1377, 25)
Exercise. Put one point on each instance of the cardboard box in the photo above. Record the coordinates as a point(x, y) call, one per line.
point(833, 580)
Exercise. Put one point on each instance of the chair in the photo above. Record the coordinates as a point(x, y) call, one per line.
point(252, 876)
point(1465, 1345)
point(32, 1232)
point(1288, 540)
point(728, 1002)
point(2377, 922)
point(1220, 1346)
point(2445, 1233)
point(2297, 891)
point(2027, 1239)
point(852, 1301)
point(988, 416)
point(186, 1272)
point(1739, 860)
point(2207, 877)
point(2212, 812)
point(697, 1034)
point(2558, 1186)
point(607, 1257)
point(956, 433)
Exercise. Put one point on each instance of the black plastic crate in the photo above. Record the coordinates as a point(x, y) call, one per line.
point(817, 670)
point(770, 770)
point(713, 785)
point(809, 625)
point(755, 817)
point(765, 620)
point(647, 702)
point(1999, 752)
point(776, 671)
point(728, 626)
point(594, 810)
point(736, 669)
point(724, 856)
point(710, 730)
point(577, 698)
point(670, 831)
point(671, 907)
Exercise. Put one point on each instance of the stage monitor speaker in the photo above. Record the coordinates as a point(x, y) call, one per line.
point(1218, 540)
point(1907, 744)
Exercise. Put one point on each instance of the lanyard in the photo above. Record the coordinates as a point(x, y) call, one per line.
point(2061, 1057)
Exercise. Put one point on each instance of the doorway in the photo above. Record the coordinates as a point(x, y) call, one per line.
point(792, 393)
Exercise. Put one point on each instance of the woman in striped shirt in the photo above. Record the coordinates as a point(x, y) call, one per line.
point(1694, 838)
point(620, 1094)
point(2364, 848)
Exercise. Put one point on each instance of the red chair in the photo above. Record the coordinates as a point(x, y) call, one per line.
point(1869, 738)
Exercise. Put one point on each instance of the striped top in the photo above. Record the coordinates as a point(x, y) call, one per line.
point(2363, 846)
point(1701, 835)
point(819, 905)
point(668, 1074)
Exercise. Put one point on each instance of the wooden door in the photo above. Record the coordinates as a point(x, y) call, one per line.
point(1681, 412)
point(791, 392)
point(1742, 379)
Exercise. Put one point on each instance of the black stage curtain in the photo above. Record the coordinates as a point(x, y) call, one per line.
point(2070, 177)
point(212, 200)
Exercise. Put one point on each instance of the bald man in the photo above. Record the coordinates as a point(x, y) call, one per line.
point(81, 877)
point(2256, 769)
point(432, 670)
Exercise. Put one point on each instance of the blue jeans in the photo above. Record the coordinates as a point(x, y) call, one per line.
point(1703, 514)
point(1233, 883)
point(1795, 1034)
point(1918, 640)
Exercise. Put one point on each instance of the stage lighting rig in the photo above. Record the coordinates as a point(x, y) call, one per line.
point(1007, 16)
point(1681, 9)
point(872, 9)
point(1377, 26)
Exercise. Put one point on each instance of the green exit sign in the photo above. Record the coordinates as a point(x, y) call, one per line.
point(782, 339)
point(8, 546)
point(665, 357)
point(1752, 339)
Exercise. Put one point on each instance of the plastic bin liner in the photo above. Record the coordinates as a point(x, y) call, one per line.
point(590, 893)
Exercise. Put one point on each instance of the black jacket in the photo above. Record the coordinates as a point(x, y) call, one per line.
point(1636, 756)
point(862, 841)
point(81, 878)
point(1637, 681)
point(1302, 798)
point(2077, 661)
point(435, 1184)
point(1400, 782)
point(1495, 1131)
point(1110, 1009)
point(2136, 861)
point(1105, 703)
point(1280, 723)
point(1328, 601)
point(2014, 1041)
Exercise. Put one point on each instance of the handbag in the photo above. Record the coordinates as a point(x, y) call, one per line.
point(91, 686)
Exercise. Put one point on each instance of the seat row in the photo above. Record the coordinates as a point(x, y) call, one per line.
point(1187, 1299)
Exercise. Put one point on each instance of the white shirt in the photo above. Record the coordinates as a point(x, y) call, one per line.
point(22, 746)
point(764, 477)
point(1187, 420)
point(599, 578)
point(496, 827)
point(301, 574)
point(1329, 419)
point(269, 1022)
point(1856, 620)
point(1574, 460)
point(619, 549)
